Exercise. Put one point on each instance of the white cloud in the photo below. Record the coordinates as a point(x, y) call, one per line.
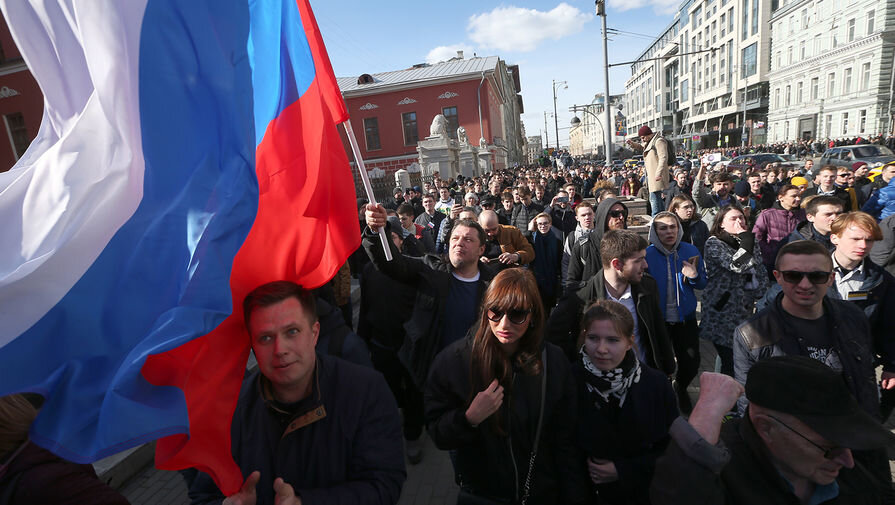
point(521, 30)
point(661, 7)
point(444, 53)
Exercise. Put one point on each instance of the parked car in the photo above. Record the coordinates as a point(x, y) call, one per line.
point(794, 160)
point(758, 160)
point(845, 156)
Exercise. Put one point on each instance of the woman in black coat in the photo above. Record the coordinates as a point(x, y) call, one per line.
point(625, 407)
point(487, 395)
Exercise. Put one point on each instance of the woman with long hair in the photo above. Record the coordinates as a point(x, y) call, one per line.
point(625, 407)
point(503, 401)
point(695, 230)
point(736, 279)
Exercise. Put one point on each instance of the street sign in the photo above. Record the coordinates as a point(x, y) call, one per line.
point(745, 137)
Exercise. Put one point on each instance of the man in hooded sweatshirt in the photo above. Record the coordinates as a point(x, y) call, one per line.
point(584, 256)
point(678, 269)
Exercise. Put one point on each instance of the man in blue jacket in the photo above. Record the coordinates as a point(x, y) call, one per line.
point(678, 269)
point(308, 428)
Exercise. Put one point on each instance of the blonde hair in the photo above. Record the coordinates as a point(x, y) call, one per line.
point(16, 416)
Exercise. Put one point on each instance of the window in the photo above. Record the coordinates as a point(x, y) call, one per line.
point(694, 17)
point(862, 120)
point(804, 24)
point(845, 123)
point(786, 130)
point(685, 90)
point(754, 17)
point(450, 113)
point(846, 82)
point(745, 30)
point(865, 76)
point(802, 54)
point(792, 24)
point(18, 133)
point(730, 20)
point(850, 30)
point(831, 84)
point(411, 134)
point(789, 55)
point(750, 60)
point(723, 25)
point(777, 98)
point(371, 132)
point(870, 18)
point(829, 125)
point(799, 92)
point(786, 96)
point(818, 44)
point(814, 88)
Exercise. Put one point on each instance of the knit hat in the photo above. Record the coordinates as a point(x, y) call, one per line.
point(742, 189)
point(856, 165)
point(798, 181)
point(644, 131)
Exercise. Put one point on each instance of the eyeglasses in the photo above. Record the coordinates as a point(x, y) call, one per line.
point(795, 276)
point(517, 316)
point(617, 213)
point(830, 453)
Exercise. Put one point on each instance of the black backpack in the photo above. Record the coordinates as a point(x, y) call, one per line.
point(670, 152)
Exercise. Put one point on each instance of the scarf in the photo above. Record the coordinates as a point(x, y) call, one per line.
point(612, 385)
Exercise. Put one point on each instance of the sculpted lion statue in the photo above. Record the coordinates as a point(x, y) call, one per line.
point(439, 126)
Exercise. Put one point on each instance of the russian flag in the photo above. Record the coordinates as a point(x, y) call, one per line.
point(188, 153)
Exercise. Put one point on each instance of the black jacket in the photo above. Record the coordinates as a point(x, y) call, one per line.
point(883, 252)
point(838, 192)
point(522, 215)
point(585, 258)
point(737, 471)
point(632, 436)
point(495, 466)
point(767, 334)
point(806, 231)
point(431, 277)
point(563, 325)
point(343, 444)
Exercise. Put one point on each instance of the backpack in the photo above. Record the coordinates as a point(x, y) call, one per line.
point(670, 152)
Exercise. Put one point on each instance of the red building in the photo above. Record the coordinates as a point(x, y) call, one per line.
point(21, 101)
point(391, 111)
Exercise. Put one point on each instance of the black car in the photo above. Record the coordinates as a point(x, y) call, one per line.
point(758, 160)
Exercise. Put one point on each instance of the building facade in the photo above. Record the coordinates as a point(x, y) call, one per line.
point(588, 123)
point(21, 102)
point(831, 69)
point(706, 76)
point(534, 146)
point(392, 111)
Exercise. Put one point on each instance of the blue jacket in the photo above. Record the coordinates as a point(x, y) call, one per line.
point(658, 267)
point(882, 202)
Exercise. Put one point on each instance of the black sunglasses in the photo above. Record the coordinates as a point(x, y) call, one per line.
point(830, 453)
point(517, 316)
point(795, 276)
point(617, 213)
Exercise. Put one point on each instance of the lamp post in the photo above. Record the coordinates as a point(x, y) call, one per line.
point(575, 121)
point(555, 116)
point(601, 11)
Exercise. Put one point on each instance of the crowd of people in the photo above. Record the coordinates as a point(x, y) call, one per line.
point(550, 349)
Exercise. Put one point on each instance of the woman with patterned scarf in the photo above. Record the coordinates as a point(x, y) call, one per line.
point(625, 407)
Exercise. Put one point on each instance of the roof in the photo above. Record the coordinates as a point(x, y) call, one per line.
point(438, 71)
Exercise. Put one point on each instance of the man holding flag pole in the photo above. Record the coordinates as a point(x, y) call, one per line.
point(187, 155)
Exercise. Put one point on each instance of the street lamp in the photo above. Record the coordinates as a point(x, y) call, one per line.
point(575, 121)
point(564, 85)
point(601, 11)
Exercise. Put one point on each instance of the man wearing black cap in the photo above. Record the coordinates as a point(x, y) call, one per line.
point(794, 445)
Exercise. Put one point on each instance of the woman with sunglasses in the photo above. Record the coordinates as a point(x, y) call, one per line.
point(625, 408)
point(503, 401)
point(736, 279)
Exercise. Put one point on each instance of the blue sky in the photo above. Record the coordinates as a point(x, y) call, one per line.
point(547, 39)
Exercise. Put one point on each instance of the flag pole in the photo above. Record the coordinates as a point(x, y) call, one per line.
point(367, 186)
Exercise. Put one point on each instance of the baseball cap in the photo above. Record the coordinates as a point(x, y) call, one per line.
point(816, 395)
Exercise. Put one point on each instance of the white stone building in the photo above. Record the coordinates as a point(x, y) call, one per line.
point(831, 69)
point(533, 148)
point(587, 125)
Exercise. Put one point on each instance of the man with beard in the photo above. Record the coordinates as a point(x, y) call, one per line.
point(622, 279)
point(448, 290)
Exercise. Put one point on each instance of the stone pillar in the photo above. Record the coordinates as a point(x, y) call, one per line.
point(439, 154)
point(469, 161)
point(415, 172)
point(402, 179)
